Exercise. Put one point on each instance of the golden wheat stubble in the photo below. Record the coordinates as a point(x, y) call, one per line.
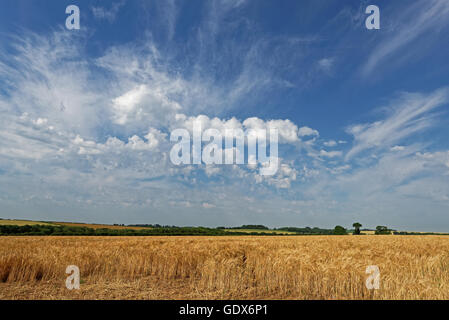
point(247, 267)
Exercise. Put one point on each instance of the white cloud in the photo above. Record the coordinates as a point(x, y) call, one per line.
point(103, 13)
point(340, 169)
point(143, 106)
point(326, 64)
point(411, 114)
point(306, 131)
point(287, 130)
point(397, 148)
point(207, 205)
point(330, 143)
point(212, 170)
point(285, 175)
point(330, 154)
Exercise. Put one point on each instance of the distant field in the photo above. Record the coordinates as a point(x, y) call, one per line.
point(68, 224)
point(259, 231)
point(22, 223)
point(97, 226)
point(256, 267)
point(107, 226)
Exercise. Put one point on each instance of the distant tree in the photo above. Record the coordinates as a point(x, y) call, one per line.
point(253, 227)
point(339, 230)
point(382, 230)
point(357, 226)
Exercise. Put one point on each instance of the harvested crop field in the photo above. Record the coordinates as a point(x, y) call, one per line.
point(98, 226)
point(23, 223)
point(234, 267)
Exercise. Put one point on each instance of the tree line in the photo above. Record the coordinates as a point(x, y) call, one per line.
point(50, 230)
point(155, 230)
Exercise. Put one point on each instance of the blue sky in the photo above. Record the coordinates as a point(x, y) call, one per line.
point(362, 114)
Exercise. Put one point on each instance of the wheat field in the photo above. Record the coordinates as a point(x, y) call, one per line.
point(244, 267)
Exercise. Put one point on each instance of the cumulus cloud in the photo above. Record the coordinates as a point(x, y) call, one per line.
point(330, 154)
point(330, 143)
point(143, 106)
point(287, 130)
point(306, 131)
point(283, 178)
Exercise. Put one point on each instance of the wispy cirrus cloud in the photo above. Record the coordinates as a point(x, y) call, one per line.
point(419, 18)
point(410, 114)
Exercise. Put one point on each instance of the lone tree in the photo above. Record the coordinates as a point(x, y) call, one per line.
point(382, 230)
point(339, 230)
point(357, 226)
